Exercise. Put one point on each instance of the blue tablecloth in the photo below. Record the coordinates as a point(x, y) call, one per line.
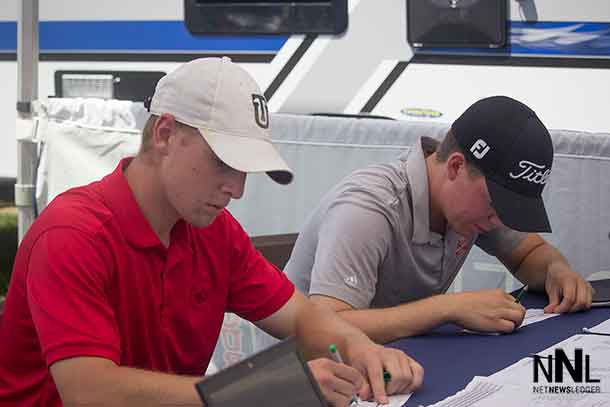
point(451, 359)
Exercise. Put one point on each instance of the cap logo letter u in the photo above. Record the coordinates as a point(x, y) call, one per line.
point(479, 149)
point(261, 112)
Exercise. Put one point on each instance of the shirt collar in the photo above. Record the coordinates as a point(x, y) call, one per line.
point(417, 174)
point(134, 225)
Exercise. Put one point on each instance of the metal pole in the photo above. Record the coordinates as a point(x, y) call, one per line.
point(27, 91)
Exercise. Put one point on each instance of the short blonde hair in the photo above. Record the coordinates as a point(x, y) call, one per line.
point(147, 133)
point(148, 129)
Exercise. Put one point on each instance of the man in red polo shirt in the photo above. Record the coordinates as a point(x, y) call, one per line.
point(119, 287)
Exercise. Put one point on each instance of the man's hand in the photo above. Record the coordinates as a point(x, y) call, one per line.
point(539, 265)
point(485, 310)
point(371, 359)
point(338, 382)
point(317, 326)
point(567, 290)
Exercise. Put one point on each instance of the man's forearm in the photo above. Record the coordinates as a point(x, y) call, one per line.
point(315, 326)
point(318, 326)
point(387, 324)
point(146, 388)
point(84, 381)
point(535, 265)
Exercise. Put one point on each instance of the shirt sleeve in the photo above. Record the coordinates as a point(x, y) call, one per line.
point(257, 288)
point(501, 241)
point(66, 282)
point(352, 245)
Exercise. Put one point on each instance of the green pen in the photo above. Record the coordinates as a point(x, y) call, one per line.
point(520, 294)
point(334, 353)
point(387, 376)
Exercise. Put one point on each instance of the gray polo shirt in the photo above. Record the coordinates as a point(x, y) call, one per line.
point(369, 241)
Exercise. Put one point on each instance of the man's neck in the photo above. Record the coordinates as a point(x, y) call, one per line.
point(437, 220)
point(141, 175)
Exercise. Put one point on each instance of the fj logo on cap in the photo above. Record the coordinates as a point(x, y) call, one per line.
point(261, 112)
point(479, 149)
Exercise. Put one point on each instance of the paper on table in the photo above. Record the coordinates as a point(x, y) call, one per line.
point(395, 401)
point(514, 385)
point(602, 328)
point(487, 392)
point(482, 391)
point(598, 347)
point(532, 316)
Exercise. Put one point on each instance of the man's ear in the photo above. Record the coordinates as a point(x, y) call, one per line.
point(163, 129)
point(455, 162)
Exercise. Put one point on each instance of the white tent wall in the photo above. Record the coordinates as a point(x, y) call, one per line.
point(85, 138)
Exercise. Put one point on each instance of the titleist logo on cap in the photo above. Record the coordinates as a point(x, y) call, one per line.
point(532, 172)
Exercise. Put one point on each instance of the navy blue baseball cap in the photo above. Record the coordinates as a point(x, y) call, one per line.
point(509, 144)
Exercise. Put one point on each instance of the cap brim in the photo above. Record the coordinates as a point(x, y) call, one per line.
point(518, 212)
point(249, 155)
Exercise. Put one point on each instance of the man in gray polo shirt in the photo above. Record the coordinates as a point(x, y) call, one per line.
point(385, 244)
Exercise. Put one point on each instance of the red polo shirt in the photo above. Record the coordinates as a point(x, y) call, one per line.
point(91, 278)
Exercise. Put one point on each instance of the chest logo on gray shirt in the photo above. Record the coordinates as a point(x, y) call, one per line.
point(352, 281)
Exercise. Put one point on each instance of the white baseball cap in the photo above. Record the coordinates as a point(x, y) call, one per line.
point(225, 104)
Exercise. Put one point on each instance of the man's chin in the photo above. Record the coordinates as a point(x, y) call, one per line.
point(467, 233)
point(202, 222)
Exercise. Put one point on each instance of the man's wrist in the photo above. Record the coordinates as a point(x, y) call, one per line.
point(449, 306)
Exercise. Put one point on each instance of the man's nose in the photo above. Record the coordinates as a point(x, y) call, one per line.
point(234, 183)
point(494, 220)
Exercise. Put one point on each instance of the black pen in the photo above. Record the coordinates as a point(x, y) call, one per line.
point(592, 332)
point(520, 294)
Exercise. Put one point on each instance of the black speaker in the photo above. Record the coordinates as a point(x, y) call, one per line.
point(265, 16)
point(456, 23)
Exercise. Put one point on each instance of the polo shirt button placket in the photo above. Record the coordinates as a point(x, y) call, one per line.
point(162, 299)
point(164, 292)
